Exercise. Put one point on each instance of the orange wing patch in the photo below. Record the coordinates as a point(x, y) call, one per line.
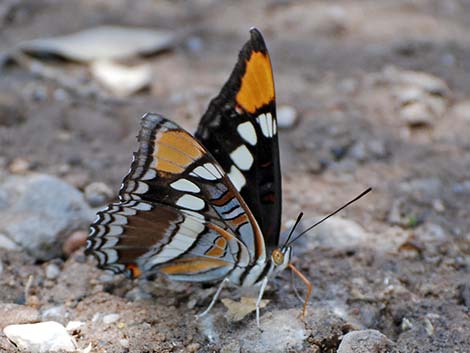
point(134, 270)
point(174, 151)
point(192, 266)
point(218, 249)
point(257, 86)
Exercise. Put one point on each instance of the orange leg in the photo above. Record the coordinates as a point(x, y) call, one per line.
point(309, 288)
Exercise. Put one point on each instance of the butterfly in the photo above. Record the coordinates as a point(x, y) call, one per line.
point(205, 208)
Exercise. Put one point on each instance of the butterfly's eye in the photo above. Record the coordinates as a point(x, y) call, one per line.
point(278, 257)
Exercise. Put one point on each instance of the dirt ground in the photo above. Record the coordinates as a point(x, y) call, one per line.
point(346, 68)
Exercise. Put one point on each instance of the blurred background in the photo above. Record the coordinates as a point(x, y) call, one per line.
point(369, 93)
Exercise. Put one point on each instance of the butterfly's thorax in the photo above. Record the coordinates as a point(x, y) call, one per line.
point(251, 275)
point(254, 274)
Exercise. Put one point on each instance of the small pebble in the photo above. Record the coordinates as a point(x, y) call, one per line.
point(429, 83)
point(54, 313)
point(193, 347)
point(286, 117)
point(111, 318)
point(19, 166)
point(106, 278)
point(74, 242)
point(124, 343)
point(366, 341)
point(417, 114)
point(406, 324)
point(438, 206)
point(429, 327)
point(52, 271)
point(97, 194)
point(1, 267)
point(231, 347)
point(137, 293)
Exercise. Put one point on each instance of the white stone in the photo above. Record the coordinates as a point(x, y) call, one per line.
point(111, 318)
point(122, 80)
point(103, 42)
point(52, 271)
point(42, 337)
point(73, 326)
point(124, 343)
point(286, 117)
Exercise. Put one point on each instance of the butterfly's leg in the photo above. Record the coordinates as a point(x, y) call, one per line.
point(309, 288)
point(296, 291)
point(214, 299)
point(260, 296)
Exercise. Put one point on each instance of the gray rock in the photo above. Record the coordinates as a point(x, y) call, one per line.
point(37, 212)
point(42, 337)
point(1, 267)
point(339, 233)
point(7, 243)
point(17, 314)
point(97, 194)
point(231, 347)
point(366, 341)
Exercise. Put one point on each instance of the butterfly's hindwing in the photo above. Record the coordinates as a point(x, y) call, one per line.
point(177, 212)
point(240, 130)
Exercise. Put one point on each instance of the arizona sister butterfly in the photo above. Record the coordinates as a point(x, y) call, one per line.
point(205, 208)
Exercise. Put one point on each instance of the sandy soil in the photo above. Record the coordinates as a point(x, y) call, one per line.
point(343, 66)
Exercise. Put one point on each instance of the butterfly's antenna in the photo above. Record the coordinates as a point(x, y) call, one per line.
point(299, 217)
point(330, 215)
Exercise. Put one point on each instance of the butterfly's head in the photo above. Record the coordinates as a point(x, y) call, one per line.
point(281, 257)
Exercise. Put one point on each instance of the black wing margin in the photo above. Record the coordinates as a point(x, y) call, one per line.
point(239, 129)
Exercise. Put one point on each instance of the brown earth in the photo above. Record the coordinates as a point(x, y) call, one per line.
point(343, 66)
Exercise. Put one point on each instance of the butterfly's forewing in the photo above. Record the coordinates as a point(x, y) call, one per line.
point(177, 213)
point(240, 130)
